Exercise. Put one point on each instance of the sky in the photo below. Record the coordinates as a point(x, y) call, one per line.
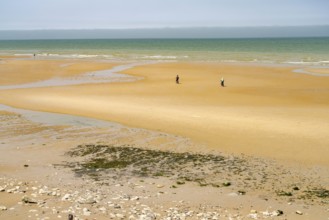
point(113, 14)
point(164, 14)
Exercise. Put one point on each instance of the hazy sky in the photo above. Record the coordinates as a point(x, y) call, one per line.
point(95, 14)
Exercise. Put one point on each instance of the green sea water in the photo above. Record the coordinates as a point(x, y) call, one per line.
point(310, 51)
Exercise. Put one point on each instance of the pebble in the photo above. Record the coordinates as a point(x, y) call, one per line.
point(134, 198)
point(116, 206)
point(120, 216)
point(135, 210)
point(26, 199)
point(86, 212)
point(55, 194)
point(43, 191)
point(86, 200)
point(299, 212)
point(3, 208)
point(272, 214)
point(66, 197)
point(13, 190)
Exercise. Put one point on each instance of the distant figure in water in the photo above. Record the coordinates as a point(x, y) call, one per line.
point(34, 55)
point(177, 79)
point(222, 82)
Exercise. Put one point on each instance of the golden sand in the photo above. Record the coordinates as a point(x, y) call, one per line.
point(25, 71)
point(263, 111)
point(15, 56)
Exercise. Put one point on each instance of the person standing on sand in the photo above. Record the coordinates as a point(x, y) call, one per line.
point(177, 79)
point(222, 82)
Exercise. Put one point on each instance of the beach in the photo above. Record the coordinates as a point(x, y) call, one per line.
point(262, 111)
point(269, 119)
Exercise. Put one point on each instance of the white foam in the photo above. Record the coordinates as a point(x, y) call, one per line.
point(23, 54)
point(78, 56)
point(321, 62)
point(159, 57)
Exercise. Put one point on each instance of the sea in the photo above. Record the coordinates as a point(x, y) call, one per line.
point(301, 51)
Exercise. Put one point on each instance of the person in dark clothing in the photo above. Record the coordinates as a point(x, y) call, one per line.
point(177, 79)
point(222, 82)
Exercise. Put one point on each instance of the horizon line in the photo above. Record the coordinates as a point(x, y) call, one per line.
point(158, 28)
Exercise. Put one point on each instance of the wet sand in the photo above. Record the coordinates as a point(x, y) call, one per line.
point(35, 165)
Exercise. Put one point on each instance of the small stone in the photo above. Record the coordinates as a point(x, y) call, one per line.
point(160, 186)
point(26, 165)
point(86, 201)
point(134, 198)
point(2, 189)
point(116, 206)
point(86, 212)
point(43, 191)
point(66, 197)
point(253, 211)
point(26, 199)
point(241, 192)
point(295, 188)
point(13, 190)
point(299, 212)
point(278, 212)
point(120, 216)
point(3, 208)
